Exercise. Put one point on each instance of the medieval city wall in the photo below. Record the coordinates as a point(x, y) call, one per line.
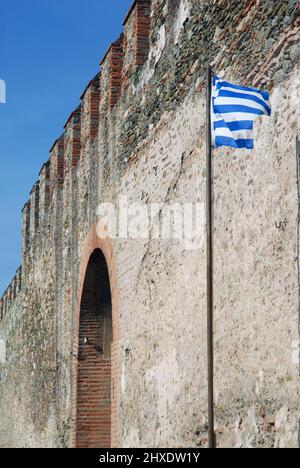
point(139, 133)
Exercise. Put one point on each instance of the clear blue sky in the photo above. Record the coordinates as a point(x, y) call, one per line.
point(49, 50)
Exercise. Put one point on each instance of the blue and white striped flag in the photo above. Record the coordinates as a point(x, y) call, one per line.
point(234, 109)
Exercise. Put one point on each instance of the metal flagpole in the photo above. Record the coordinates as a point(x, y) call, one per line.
point(209, 230)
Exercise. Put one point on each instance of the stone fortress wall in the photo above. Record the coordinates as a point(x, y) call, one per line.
point(139, 132)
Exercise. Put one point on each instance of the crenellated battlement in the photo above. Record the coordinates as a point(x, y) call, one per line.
point(25, 229)
point(111, 76)
point(34, 210)
point(72, 139)
point(57, 165)
point(11, 293)
point(161, 53)
point(44, 191)
point(90, 100)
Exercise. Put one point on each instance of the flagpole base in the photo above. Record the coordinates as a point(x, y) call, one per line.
point(212, 441)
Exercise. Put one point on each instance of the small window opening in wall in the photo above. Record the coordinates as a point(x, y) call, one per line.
point(94, 364)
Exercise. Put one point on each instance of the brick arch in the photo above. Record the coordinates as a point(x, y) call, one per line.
point(91, 244)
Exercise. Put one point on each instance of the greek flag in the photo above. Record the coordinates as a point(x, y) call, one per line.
point(234, 109)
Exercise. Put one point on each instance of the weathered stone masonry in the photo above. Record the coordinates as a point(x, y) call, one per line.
point(139, 131)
